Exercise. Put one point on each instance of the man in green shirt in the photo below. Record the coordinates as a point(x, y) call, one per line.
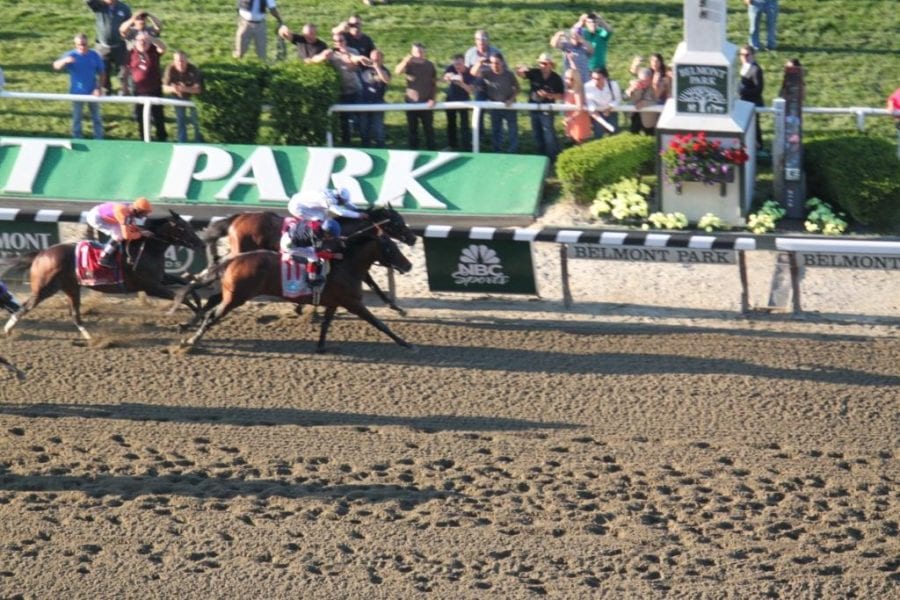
point(595, 31)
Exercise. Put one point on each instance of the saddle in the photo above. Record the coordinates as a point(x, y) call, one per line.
point(88, 270)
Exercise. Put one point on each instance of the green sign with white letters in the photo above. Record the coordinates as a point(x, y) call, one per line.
point(245, 177)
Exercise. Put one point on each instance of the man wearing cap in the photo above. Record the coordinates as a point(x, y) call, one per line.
point(546, 87)
point(117, 220)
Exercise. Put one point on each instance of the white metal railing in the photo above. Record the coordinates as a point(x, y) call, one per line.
point(147, 101)
point(477, 107)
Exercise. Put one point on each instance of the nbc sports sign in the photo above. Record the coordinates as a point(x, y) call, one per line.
point(479, 266)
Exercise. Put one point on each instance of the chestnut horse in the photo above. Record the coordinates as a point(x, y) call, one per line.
point(258, 273)
point(53, 269)
point(262, 231)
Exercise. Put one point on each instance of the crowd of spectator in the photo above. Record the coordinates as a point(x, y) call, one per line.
point(129, 48)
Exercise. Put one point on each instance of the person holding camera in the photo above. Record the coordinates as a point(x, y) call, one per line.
point(421, 87)
point(596, 32)
point(546, 87)
point(460, 82)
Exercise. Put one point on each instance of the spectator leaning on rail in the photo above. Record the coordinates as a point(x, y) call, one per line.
point(640, 94)
point(118, 221)
point(421, 87)
point(578, 123)
point(85, 69)
point(347, 62)
point(603, 95)
point(109, 16)
point(546, 88)
point(251, 25)
point(184, 81)
point(501, 86)
point(460, 83)
point(375, 80)
point(146, 74)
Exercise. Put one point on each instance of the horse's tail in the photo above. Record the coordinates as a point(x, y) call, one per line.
point(17, 264)
point(212, 234)
point(212, 274)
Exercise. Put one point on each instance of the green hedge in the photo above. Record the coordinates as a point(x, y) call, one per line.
point(584, 169)
point(231, 102)
point(300, 95)
point(861, 175)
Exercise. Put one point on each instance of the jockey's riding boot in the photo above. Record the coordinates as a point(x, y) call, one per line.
point(106, 257)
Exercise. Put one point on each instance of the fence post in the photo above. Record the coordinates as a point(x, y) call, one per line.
point(476, 129)
point(778, 106)
point(146, 119)
point(564, 275)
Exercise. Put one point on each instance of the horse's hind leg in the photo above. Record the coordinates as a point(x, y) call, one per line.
point(33, 300)
point(323, 329)
point(74, 297)
point(212, 317)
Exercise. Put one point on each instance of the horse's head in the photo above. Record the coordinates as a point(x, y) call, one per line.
point(393, 224)
point(174, 230)
point(391, 256)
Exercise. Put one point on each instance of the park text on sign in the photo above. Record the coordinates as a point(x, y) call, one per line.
point(646, 254)
point(244, 176)
point(875, 262)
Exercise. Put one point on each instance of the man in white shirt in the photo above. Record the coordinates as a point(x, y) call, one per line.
point(602, 95)
point(252, 25)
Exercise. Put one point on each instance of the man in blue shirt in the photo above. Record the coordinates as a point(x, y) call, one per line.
point(85, 68)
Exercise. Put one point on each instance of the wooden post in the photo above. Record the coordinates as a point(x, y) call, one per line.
point(795, 281)
point(564, 275)
point(745, 293)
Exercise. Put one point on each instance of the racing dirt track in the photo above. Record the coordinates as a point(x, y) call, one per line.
point(515, 456)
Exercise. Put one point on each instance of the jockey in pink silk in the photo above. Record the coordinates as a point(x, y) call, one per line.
point(117, 220)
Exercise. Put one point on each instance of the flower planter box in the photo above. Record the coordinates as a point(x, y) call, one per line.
point(711, 179)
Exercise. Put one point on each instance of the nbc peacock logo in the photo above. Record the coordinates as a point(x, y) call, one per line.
point(479, 264)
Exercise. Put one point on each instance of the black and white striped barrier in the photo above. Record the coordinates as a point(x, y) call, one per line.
point(631, 246)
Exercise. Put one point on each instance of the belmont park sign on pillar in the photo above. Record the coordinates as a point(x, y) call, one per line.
point(704, 99)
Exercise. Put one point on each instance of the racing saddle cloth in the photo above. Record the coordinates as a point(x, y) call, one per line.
point(88, 270)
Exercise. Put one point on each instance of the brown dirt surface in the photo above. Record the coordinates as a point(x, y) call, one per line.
point(520, 452)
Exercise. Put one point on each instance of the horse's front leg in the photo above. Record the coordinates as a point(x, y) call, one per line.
point(363, 313)
point(323, 329)
point(369, 281)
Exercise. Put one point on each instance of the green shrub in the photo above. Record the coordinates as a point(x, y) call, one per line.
point(300, 95)
point(583, 170)
point(861, 175)
point(231, 102)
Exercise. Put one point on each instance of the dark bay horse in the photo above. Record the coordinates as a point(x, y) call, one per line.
point(262, 231)
point(258, 273)
point(53, 269)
